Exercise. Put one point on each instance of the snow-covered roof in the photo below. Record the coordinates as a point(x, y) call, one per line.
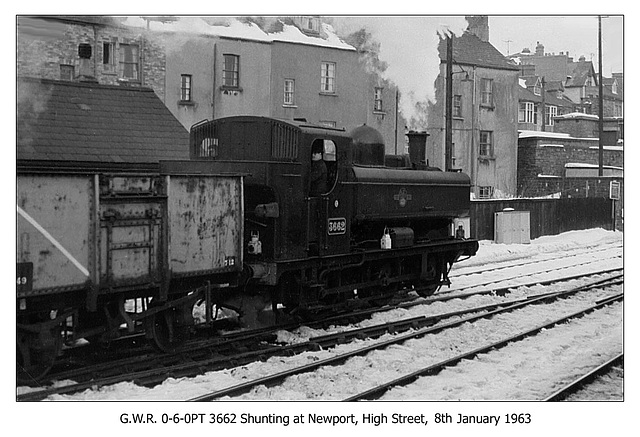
point(241, 30)
point(586, 165)
point(577, 115)
point(557, 135)
point(540, 134)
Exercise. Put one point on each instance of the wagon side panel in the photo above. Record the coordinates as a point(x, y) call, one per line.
point(54, 234)
point(205, 216)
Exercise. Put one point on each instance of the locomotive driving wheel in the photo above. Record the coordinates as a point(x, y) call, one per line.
point(380, 295)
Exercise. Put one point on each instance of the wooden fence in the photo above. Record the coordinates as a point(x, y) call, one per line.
point(547, 216)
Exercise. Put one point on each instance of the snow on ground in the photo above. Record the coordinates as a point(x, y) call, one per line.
point(468, 381)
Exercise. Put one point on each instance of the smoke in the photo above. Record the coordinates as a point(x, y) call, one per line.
point(409, 47)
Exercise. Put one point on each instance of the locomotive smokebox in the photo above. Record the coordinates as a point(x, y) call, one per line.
point(368, 146)
point(417, 148)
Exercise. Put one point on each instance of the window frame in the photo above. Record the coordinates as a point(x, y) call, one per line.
point(289, 92)
point(550, 111)
point(457, 106)
point(485, 146)
point(377, 99)
point(67, 72)
point(328, 77)
point(186, 88)
point(528, 114)
point(109, 57)
point(231, 78)
point(123, 63)
point(485, 192)
point(486, 97)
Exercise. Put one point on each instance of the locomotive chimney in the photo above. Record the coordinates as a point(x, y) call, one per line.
point(417, 148)
point(85, 73)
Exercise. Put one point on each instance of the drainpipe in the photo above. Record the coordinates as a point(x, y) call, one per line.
point(213, 81)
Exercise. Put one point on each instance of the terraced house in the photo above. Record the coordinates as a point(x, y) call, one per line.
point(294, 67)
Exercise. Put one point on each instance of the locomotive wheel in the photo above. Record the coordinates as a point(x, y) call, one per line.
point(36, 353)
point(165, 333)
point(426, 288)
point(382, 295)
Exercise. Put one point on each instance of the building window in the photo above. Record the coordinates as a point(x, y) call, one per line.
point(377, 99)
point(528, 113)
point(311, 24)
point(185, 88)
point(328, 123)
point(328, 77)
point(486, 143)
point(109, 57)
point(536, 89)
point(457, 106)
point(549, 113)
point(231, 71)
point(129, 65)
point(614, 87)
point(67, 72)
point(289, 92)
point(486, 96)
point(485, 192)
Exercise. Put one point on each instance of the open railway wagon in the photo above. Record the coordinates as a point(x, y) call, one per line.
point(102, 254)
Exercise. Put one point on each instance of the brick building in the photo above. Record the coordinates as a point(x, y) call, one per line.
point(297, 68)
point(566, 164)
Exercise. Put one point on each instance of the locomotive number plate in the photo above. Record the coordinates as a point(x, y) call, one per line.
point(337, 226)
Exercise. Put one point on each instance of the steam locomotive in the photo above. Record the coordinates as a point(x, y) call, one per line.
point(374, 230)
point(236, 227)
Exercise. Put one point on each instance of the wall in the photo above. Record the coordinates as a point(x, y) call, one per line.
point(302, 63)
point(182, 52)
point(547, 216)
point(501, 118)
point(44, 44)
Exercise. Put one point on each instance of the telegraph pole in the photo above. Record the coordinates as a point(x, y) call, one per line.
point(448, 135)
point(600, 100)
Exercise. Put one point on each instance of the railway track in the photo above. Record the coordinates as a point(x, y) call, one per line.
point(155, 370)
point(71, 365)
point(580, 383)
point(278, 378)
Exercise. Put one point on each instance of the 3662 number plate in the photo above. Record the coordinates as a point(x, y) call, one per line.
point(337, 226)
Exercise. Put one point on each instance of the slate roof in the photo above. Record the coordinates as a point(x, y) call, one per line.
point(579, 72)
point(525, 94)
point(471, 50)
point(87, 122)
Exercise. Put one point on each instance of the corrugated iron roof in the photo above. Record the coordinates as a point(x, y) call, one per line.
point(88, 122)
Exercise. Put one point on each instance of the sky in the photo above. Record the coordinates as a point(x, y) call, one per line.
point(577, 35)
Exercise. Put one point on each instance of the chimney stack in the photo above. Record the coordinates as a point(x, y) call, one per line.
point(85, 73)
point(417, 148)
point(479, 26)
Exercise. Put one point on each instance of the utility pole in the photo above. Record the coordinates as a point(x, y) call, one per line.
point(507, 41)
point(600, 100)
point(448, 135)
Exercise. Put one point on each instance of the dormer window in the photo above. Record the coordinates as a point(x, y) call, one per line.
point(614, 87)
point(537, 88)
point(310, 25)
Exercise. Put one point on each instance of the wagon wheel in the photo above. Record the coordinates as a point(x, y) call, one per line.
point(36, 353)
point(164, 330)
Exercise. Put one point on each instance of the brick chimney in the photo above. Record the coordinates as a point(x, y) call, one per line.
point(479, 26)
point(85, 73)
